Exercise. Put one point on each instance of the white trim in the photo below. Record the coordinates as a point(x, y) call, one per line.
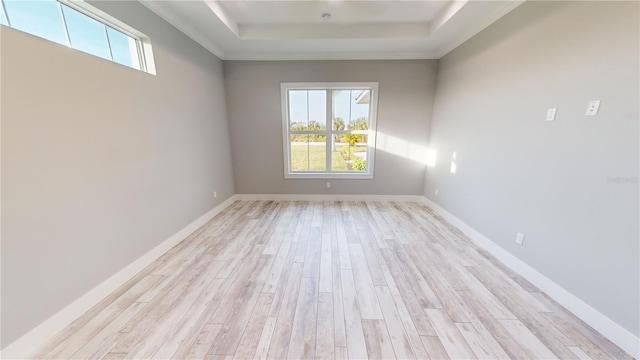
point(30, 342)
point(227, 20)
point(142, 51)
point(345, 55)
point(184, 27)
point(237, 31)
point(600, 322)
point(480, 24)
point(286, 140)
point(371, 87)
point(354, 175)
point(26, 345)
point(449, 11)
point(143, 48)
point(330, 197)
point(1, 198)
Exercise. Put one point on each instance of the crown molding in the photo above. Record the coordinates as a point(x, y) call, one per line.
point(184, 27)
point(289, 56)
point(480, 25)
point(444, 19)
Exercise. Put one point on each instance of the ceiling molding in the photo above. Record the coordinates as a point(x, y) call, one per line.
point(184, 27)
point(481, 24)
point(335, 31)
point(211, 24)
point(290, 56)
point(219, 11)
point(445, 15)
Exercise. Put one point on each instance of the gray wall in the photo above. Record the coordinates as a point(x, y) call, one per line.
point(406, 89)
point(549, 180)
point(100, 162)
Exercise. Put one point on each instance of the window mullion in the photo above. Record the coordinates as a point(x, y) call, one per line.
point(329, 126)
point(6, 14)
point(308, 149)
point(106, 34)
point(64, 22)
point(142, 62)
point(304, 132)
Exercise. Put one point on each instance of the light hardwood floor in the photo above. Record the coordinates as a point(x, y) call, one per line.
point(286, 279)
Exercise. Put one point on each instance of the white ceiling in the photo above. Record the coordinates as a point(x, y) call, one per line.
point(358, 29)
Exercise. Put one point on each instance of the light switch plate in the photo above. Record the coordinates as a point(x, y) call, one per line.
point(551, 114)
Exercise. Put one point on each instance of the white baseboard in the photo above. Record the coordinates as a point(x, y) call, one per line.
point(26, 345)
point(30, 342)
point(623, 338)
point(330, 197)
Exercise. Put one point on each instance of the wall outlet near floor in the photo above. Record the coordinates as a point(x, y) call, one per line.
point(215, 194)
point(519, 238)
point(551, 114)
point(437, 191)
point(328, 185)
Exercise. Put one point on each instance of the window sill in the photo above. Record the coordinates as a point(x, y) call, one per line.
point(337, 176)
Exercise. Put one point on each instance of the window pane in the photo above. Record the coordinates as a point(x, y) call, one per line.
point(341, 109)
point(86, 34)
point(299, 152)
point(308, 110)
point(351, 109)
point(359, 153)
point(352, 149)
point(123, 48)
point(317, 109)
point(39, 17)
point(359, 114)
point(317, 152)
point(308, 152)
point(298, 110)
point(338, 159)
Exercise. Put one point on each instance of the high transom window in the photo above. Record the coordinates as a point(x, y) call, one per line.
point(80, 26)
point(329, 129)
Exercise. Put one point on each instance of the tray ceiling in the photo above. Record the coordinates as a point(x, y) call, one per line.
point(332, 29)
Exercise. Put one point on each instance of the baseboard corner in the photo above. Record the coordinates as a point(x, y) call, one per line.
point(25, 346)
point(620, 336)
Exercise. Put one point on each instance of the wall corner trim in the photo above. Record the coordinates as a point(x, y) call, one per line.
point(620, 336)
point(29, 343)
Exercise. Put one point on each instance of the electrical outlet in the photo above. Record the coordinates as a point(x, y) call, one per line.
point(215, 194)
point(437, 191)
point(328, 185)
point(592, 108)
point(520, 239)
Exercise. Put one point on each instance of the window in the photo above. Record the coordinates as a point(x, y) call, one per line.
point(82, 27)
point(329, 130)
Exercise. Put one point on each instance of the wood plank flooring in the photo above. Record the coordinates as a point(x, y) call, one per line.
point(328, 280)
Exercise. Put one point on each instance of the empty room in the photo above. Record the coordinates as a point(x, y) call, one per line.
point(329, 179)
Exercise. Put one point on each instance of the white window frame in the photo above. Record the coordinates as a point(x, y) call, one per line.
point(145, 61)
point(329, 132)
point(143, 42)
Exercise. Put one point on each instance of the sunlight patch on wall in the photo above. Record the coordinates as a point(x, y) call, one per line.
point(454, 168)
point(431, 157)
point(405, 149)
